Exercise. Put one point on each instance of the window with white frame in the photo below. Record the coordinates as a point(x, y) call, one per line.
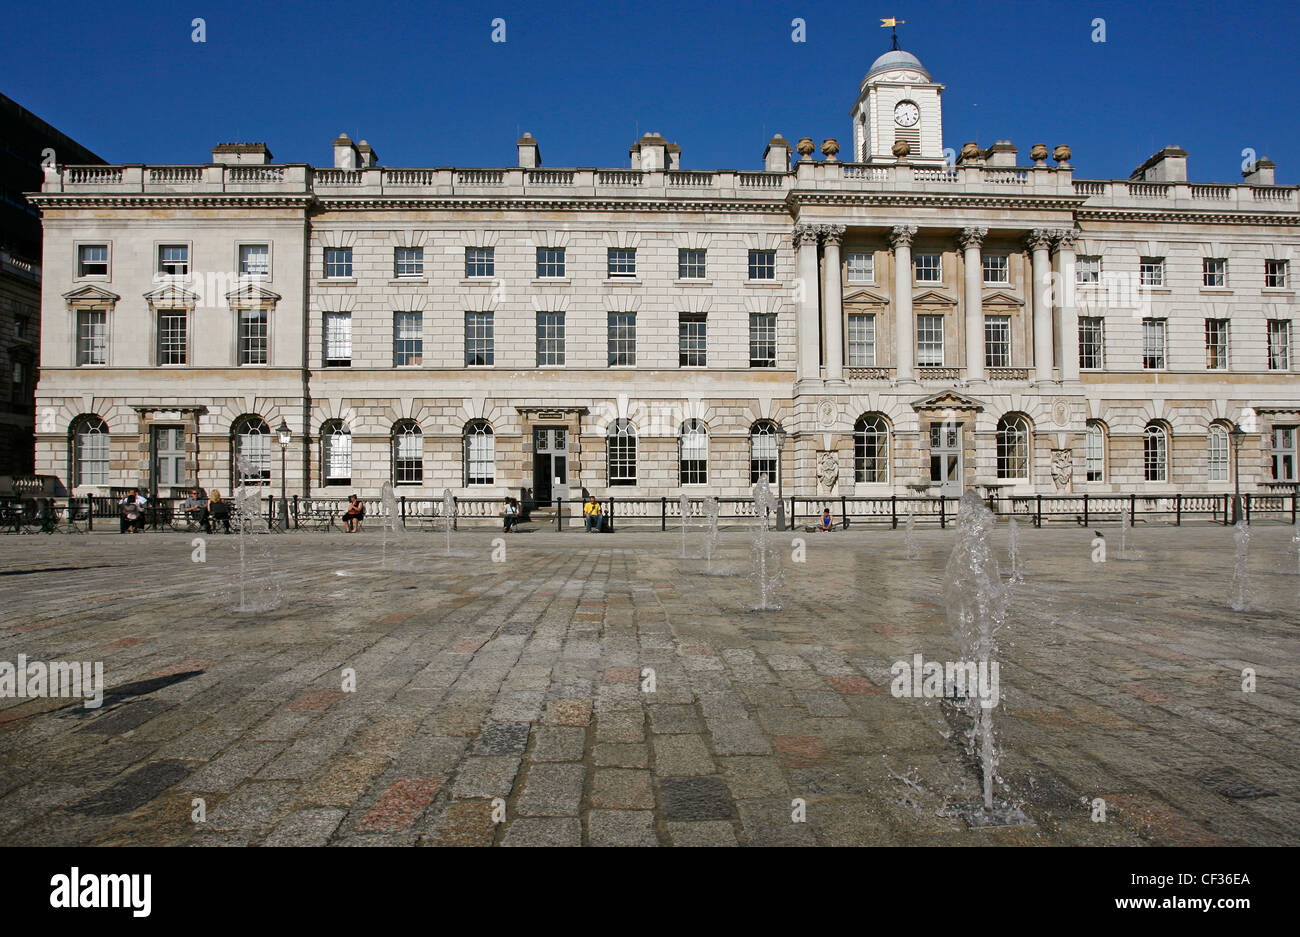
point(173, 336)
point(336, 453)
point(692, 340)
point(1013, 447)
point(1153, 344)
point(1155, 453)
point(1284, 454)
point(550, 263)
point(254, 260)
point(408, 339)
point(862, 340)
point(1276, 274)
point(621, 263)
point(90, 451)
point(1214, 271)
point(1091, 343)
point(92, 260)
point(622, 339)
point(92, 336)
point(408, 453)
point(861, 267)
point(1095, 452)
point(762, 339)
point(762, 265)
point(338, 339)
point(550, 339)
point(871, 449)
point(1216, 344)
point(1216, 450)
point(693, 458)
point(997, 341)
point(174, 260)
point(480, 453)
point(251, 462)
point(929, 341)
point(1087, 270)
point(480, 340)
point(338, 263)
point(480, 262)
point(929, 268)
point(1151, 271)
point(692, 264)
point(253, 336)
point(997, 269)
point(408, 262)
point(763, 452)
point(1279, 344)
point(620, 453)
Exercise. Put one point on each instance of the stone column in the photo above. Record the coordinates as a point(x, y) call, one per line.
point(971, 240)
point(1067, 318)
point(1039, 242)
point(805, 242)
point(833, 293)
point(900, 238)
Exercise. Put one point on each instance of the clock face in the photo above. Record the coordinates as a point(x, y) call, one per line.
point(907, 114)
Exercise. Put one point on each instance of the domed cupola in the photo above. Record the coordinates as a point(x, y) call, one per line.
point(898, 101)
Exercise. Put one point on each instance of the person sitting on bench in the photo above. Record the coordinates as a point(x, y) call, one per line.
point(196, 510)
point(591, 514)
point(510, 514)
point(353, 516)
point(133, 506)
point(218, 510)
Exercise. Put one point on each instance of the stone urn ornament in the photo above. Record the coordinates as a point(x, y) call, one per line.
point(1062, 156)
point(1038, 153)
point(830, 147)
point(805, 147)
point(970, 152)
point(901, 149)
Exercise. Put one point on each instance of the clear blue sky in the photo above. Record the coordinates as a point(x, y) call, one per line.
point(426, 86)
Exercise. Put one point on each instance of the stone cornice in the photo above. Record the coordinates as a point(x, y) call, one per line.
point(939, 200)
point(198, 200)
point(460, 203)
point(1146, 216)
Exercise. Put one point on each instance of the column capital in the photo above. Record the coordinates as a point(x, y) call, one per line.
point(804, 232)
point(901, 235)
point(831, 233)
point(972, 237)
point(1064, 238)
point(1039, 239)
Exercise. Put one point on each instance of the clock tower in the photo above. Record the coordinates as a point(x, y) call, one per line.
point(898, 101)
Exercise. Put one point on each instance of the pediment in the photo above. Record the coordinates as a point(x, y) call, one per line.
point(863, 295)
point(90, 294)
point(251, 294)
point(1001, 298)
point(932, 298)
point(171, 295)
point(948, 400)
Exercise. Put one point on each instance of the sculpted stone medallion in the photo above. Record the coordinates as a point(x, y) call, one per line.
point(828, 412)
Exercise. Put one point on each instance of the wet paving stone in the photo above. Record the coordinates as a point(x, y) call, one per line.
point(695, 799)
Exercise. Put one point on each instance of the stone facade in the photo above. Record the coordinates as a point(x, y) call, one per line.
point(937, 300)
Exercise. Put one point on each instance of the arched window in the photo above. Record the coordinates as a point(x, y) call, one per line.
point(1216, 444)
point(480, 453)
point(89, 451)
point(694, 453)
point(1095, 452)
point(871, 448)
point(1013, 447)
point(250, 446)
point(408, 453)
point(336, 453)
point(620, 452)
point(1155, 452)
point(763, 452)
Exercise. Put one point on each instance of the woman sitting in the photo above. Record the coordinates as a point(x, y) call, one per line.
point(353, 516)
point(218, 510)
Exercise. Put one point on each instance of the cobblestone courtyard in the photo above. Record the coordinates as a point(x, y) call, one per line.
point(521, 680)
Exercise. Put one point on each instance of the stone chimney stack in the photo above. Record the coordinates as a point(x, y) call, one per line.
point(530, 154)
point(241, 154)
point(674, 155)
point(369, 157)
point(345, 153)
point(1168, 165)
point(650, 153)
point(1001, 155)
point(776, 158)
point(1260, 172)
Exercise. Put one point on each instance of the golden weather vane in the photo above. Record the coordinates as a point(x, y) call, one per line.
point(892, 23)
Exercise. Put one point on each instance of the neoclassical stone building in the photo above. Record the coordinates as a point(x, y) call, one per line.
point(913, 319)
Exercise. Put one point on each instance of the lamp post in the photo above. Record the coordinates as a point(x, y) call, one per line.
point(1237, 436)
point(286, 437)
point(780, 478)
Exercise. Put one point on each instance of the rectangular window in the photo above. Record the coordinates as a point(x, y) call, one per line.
point(480, 262)
point(996, 269)
point(550, 263)
point(408, 339)
point(1091, 343)
point(480, 350)
point(694, 462)
point(622, 339)
point(338, 339)
point(1153, 344)
point(621, 263)
point(929, 341)
point(18, 383)
point(174, 260)
point(172, 337)
point(1279, 344)
point(1214, 271)
point(1151, 271)
point(1216, 344)
point(997, 341)
point(1284, 464)
point(762, 339)
point(691, 264)
point(92, 336)
point(408, 262)
point(1087, 270)
point(252, 336)
point(929, 268)
point(692, 340)
point(1095, 454)
point(1275, 274)
point(338, 263)
point(762, 265)
point(1217, 454)
point(408, 458)
point(862, 340)
point(92, 260)
point(862, 268)
point(254, 260)
point(169, 455)
point(550, 339)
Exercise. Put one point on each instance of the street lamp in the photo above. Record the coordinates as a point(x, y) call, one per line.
point(780, 477)
point(286, 437)
point(1237, 435)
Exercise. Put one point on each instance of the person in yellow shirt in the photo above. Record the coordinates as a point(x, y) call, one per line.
point(591, 512)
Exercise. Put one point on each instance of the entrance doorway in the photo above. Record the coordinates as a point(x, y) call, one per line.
point(550, 464)
point(945, 458)
point(168, 458)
